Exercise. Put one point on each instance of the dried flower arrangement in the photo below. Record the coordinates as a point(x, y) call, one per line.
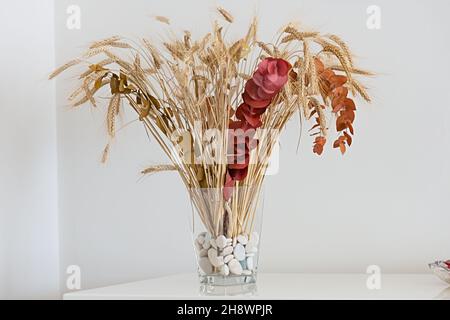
point(245, 92)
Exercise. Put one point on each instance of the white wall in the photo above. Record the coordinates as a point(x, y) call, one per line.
point(120, 228)
point(2, 258)
point(28, 186)
point(386, 202)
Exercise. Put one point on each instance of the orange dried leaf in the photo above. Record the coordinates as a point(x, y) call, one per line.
point(341, 123)
point(327, 74)
point(340, 91)
point(293, 76)
point(338, 81)
point(349, 104)
point(349, 115)
point(315, 126)
point(350, 128)
point(336, 144)
point(319, 143)
point(348, 138)
point(319, 65)
point(342, 148)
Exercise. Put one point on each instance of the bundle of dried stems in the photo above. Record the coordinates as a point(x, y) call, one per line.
point(186, 87)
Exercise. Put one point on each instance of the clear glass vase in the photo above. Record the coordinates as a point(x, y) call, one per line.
point(226, 235)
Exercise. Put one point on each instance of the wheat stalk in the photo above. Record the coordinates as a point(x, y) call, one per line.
point(159, 168)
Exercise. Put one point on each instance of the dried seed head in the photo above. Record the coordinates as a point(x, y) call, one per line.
point(225, 14)
point(162, 19)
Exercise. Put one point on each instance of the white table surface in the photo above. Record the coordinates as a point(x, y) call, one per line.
point(278, 286)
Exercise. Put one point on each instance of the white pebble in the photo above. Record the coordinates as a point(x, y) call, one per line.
point(198, 246)
point(213, 244)
point(205, 265)
point(203, 253)
point(246, 272)
point(228, 258)
point(235, 267)
point(200, 239)
point(207, 237)
point(255, 237)
point(214, 259)
point(224, 270)
point(243, 239)
point(250, 264)
point(206, 244)
point(251, 248)
point(226, 251)
point(221, 241)
point(239, 252)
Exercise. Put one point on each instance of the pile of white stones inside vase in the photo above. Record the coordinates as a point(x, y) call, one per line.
point(227, 256)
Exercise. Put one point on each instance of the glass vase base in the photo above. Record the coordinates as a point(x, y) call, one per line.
point(219, 280)
point(213, 285)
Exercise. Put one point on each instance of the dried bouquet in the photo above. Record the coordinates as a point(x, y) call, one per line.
point(217, 107)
